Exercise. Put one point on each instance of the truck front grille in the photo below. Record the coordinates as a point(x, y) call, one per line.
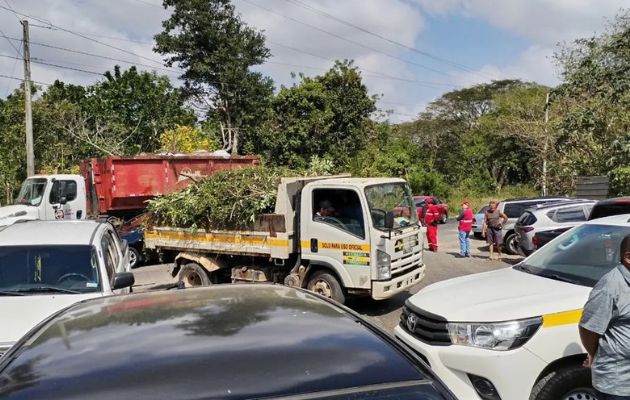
point(426, 327)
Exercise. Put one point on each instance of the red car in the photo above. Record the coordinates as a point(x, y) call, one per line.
point(419, 202)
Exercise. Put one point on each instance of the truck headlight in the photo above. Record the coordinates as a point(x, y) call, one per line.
point(494, 336)
point(383, 265)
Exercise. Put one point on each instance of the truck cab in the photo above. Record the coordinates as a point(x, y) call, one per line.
point(47, 197)
point(352, 236)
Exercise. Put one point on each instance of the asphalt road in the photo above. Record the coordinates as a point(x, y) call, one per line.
point(440, 266)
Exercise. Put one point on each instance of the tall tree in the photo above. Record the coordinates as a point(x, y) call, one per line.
point(216, 50)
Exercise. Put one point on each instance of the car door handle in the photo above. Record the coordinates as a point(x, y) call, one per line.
point(314, 246)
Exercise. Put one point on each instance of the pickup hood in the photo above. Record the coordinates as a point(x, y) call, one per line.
point(18, 314)
point(10, 214)
point(500, 295)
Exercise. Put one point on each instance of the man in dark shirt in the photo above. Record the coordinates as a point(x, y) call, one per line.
point(493, 228)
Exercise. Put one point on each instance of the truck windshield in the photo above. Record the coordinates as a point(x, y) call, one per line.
point(582, 255)
point(48, 269)
point(32, 191)
point(394, 197)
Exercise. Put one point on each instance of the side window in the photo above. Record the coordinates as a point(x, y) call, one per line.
point(340, 208)
point(67, 189)
point(513, 210)
point(552, 215)
point(571, 214)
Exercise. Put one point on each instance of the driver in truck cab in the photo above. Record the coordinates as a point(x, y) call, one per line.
point(326, 209)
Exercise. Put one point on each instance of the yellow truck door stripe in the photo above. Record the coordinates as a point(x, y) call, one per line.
point(562, 318)
point(338, 246)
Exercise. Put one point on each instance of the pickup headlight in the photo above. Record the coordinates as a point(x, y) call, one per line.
point(494, 336)
point(383, 265)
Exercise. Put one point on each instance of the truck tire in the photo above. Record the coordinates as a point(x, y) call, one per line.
point(570, 383)
point(193, 275)
point(325, 284)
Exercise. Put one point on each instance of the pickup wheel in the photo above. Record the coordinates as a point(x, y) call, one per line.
point(570, 383)
point(193, 274)
point(326, 285)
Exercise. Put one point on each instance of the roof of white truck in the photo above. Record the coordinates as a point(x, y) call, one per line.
point(30, 233)
point(359, 181)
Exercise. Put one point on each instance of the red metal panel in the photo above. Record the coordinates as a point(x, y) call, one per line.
point(124, 184)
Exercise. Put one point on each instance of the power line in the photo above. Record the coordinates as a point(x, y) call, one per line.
point(22, 80)
point(300, 3)
point(96, 35)
point(85, 53)
point(84, 36)
point(149, 4)
point(43, 62)
point(11, 9)
point(344, 38)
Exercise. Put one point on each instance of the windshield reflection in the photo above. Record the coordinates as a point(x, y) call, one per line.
point(391, 197)
point(32, 192)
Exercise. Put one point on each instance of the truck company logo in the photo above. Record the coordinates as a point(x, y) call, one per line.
point(356, 258)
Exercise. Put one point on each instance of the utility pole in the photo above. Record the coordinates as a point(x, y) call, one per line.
point(30, 156)
point(546, 148)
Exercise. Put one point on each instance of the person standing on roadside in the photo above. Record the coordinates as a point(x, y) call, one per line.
point(431, 221)
point(605, 330)
point(492, 228)
point(466, 220)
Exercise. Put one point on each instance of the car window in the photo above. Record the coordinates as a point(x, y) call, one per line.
point(583, 254)
point(436, 200)
point(514, 210)
point(61, 188)
point(340, 208)
point(569, 214)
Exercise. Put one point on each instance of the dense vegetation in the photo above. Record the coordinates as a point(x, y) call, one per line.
point(490, 138)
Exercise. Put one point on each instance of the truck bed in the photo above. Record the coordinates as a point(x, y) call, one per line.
point(252, 243)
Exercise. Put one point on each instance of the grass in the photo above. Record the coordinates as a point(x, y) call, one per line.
point(478, 200)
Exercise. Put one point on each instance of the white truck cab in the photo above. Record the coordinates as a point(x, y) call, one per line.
point(48, 197)
point(46, 266)
point(512, 334)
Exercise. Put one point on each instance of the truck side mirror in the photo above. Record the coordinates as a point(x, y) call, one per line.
point(389, 220)
point(123, 280)
point(63, 200)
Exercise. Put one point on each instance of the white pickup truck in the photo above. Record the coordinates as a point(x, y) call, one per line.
point(357, 247)
point(46, 266)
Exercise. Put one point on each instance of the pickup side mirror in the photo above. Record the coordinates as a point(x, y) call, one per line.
point(123, 280)
point(389, 220)
point(63, 200)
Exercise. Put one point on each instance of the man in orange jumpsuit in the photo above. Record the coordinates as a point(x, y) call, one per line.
point(431, 217)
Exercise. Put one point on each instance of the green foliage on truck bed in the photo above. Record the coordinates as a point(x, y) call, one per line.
point(228, 199)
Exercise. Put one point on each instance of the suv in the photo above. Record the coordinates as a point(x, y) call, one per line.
point(556, 217)
point(47, 265)
point(512, 333)
point(608, 207)
point(256, 341)
point(513, 208)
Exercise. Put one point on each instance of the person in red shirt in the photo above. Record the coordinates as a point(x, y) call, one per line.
point(431, 217)
point(466, 219)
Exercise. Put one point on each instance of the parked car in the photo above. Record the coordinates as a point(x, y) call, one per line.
point(542, 238)
point(477, 227)
point(549, 217)
point(512, 333)
point(223, 342)
point(442, 207)
point(513, 208)
point(47, 265)
point(609, 207)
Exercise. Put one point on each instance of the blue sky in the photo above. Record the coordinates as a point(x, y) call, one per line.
point(479, 40)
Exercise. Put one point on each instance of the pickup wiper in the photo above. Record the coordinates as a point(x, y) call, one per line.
point(10, 293)
point(524, 268)
point(560, 278)
point(47, 289)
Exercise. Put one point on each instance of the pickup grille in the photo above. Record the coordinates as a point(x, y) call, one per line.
point(428, 328)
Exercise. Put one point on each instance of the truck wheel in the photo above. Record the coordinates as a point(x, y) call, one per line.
point(571, 383)
point(326, 285)
point(135, 258)
point(511, 243)
point(193, 274)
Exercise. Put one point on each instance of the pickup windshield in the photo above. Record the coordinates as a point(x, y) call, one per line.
point(32, 192)
point(48, 269)
point(581, 255)
point(394, 197)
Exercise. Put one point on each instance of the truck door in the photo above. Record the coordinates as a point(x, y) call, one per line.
point(66, 199)
point(334, 233)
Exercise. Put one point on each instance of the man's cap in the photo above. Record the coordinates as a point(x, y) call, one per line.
point(325, 204)
point(429, 200)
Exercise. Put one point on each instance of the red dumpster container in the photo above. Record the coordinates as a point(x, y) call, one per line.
point(120, 186)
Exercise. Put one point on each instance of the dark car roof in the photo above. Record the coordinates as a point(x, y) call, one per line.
point(610, 207)
point(230, 342)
